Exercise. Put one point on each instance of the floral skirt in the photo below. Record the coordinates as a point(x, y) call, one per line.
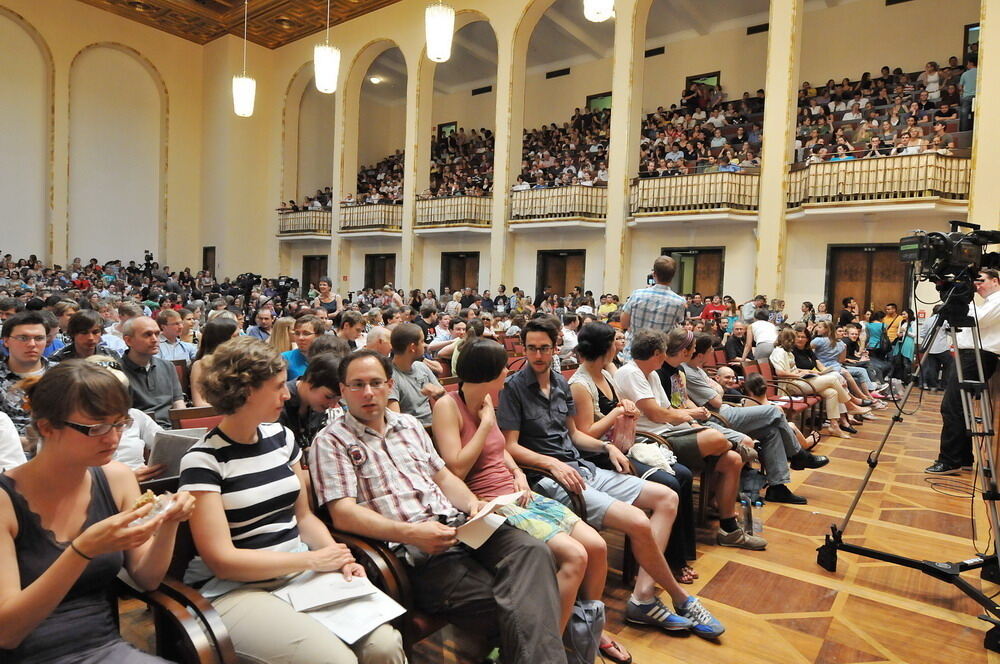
point(543, 518)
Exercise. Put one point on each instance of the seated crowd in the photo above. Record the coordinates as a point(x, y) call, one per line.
point(399, 419)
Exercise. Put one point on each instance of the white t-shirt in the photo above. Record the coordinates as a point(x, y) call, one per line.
point(137, 439)
point(764, 332)
point(11, 452)
point(630, 383)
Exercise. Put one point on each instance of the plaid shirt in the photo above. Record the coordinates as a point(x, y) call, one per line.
point(12, 397)
point(392, 474)
point(656, 307)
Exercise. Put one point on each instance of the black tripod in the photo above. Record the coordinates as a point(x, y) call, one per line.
point(957, 296)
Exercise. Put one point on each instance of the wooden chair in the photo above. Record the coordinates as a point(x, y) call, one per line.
point(193, 418)
point(516, 364)
point(183, 376)
point(187, 627)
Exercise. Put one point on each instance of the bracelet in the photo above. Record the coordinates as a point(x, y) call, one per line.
point(81, 553)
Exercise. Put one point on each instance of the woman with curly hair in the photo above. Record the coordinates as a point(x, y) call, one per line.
point(253, 526)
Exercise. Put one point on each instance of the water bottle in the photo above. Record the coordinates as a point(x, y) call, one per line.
point(757, 520)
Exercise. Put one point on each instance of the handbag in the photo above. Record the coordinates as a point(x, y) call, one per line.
point(655, 456)
point(582, 637)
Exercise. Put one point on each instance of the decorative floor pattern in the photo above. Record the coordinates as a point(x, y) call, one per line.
point(779, 606)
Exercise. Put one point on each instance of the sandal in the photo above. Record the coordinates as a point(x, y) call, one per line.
point(615, 652)
point(814, 437)
point(686, 574)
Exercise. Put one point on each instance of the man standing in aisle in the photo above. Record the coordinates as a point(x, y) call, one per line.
point(956, 444)
point(655, 307)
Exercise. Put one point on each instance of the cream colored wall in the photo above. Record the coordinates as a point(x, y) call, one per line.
point(24, 164)
point(435, 245)
point(382, 130)
point(468, 111)
point(67, 28)
point(114, 157)
point(553, 99)
point(315, 144)
point(735, 237)
point(527, 244)
point(809, 239)
point(356, 249)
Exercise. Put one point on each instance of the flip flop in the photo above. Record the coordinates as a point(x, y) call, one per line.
point(814, 437)
point(615, 652)
point(685, 575)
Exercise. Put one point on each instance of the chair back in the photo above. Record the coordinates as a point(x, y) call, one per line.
point(193, 418)
point(767, 371)
point(720, 358)
point(516, 364)
point(183, 375)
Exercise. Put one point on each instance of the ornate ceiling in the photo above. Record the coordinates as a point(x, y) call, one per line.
point(272, 23)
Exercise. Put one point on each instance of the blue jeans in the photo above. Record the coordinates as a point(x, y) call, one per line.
point(965, 114)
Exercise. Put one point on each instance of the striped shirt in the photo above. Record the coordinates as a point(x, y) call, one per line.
point(258, 486)
point(656, 307)
point(391, 474)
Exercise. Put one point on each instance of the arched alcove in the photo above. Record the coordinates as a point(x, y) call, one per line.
point(26, 138)
point(117, 154)
point(315, 141)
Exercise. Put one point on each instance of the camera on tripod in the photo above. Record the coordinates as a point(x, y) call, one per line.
point(284, 284)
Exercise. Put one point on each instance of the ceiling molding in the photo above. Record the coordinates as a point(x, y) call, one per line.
point(272, 23)
point(687, 10)
point(573, 30)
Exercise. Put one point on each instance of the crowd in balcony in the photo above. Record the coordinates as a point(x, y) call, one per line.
point(895, 113)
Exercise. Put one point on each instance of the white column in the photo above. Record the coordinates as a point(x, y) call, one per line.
point(984, 194)
point(416, 163)
point(626, 124)
point(783, 50)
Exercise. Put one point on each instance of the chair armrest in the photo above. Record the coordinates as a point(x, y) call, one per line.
point(195, 602)
point(653, 438)
point(194, 638)
point(384, 568)
point(577, 503)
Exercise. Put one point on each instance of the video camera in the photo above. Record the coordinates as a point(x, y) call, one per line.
point(247, 281)
point(940, 256)
point(286, 284)
point(951, 260)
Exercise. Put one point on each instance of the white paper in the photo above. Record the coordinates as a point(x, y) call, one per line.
point(477, 530)
point(358, 617)
point(310, 590)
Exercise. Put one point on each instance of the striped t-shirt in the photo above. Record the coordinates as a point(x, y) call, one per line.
point(259, 490)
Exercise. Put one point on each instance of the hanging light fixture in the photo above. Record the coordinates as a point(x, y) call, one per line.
point(598, 11)
point(439, 24)
point(326, 61)
point(244, 87)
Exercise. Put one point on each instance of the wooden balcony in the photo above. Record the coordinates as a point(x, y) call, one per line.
point(307, 224)
point(926, 177)
point(716, 193)
point(376, 218)
point(454, 212)
point(587, 206)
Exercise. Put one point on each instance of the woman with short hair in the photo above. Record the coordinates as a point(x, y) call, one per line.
point(253, 526)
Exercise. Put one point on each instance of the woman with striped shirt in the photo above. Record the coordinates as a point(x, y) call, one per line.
point(253, 527)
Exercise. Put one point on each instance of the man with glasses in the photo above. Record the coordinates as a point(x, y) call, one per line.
point(536, 416)
point(378, 475)
point(956, 444)
point(25, 335)
point(152, 381)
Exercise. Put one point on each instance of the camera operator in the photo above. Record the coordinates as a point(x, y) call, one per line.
point(956, 444)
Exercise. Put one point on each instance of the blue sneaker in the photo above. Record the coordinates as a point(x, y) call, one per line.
point(703, 623)
point(655, 613)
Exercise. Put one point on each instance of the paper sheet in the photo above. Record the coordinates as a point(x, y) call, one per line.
point(310, 590)
point(477, 530)
point(350, 618)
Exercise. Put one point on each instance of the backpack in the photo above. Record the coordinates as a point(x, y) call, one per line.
point(583, 632)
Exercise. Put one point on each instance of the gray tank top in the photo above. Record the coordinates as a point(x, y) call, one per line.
point(83, 620)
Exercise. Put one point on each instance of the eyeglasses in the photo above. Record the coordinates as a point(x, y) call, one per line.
point(303, 333)
point(360, 385)
point(24, 339)
point(95, 430)
point(544, 350)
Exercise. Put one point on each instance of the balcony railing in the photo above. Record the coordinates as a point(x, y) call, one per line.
point(702, 192)
point(455, 211)
point(370, 217)
point(903, 177)
point(307, 222)
point(572, 202)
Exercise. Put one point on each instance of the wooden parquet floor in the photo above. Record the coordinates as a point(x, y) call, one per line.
point(780, 606)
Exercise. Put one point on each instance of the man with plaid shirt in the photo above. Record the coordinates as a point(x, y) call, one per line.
point(378, 475)
point(655, 307)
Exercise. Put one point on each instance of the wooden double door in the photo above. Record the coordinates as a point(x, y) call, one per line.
point(563, 270)
point(699, 269)
point(871, 274)
point(459, 269)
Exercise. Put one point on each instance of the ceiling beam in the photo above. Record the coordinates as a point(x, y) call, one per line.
point(566, 25)
point(689, 12)
point(478, 51)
